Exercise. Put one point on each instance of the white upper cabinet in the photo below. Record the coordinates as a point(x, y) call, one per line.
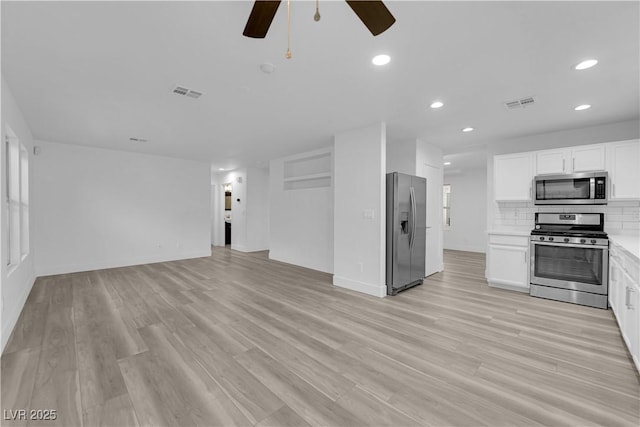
point(513, 176)
point(585, 158)
point(588, 158)
point(549, 162)
point(624, 170)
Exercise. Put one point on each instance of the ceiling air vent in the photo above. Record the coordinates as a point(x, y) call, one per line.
point(138, 139)
point(181, 90)
point(520, 103)
point(194, 94)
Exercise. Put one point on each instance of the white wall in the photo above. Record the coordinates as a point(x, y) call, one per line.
point(301, 220)
point(257, 202)
point(588, 135)
point(16, 284)
point(468, 211)
point(359, 243)
point(401, 157)
point(97, 208)
point(217, 211)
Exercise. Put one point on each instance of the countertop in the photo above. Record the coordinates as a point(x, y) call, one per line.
point(630, 242)
point(511, 231)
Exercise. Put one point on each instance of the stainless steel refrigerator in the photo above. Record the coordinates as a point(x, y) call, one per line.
point(406, 227)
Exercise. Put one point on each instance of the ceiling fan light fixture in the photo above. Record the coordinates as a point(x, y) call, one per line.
point(588, 63)
point(436, 104)
point(380, 60)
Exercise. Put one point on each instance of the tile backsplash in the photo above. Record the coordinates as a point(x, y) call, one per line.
point(617, 215)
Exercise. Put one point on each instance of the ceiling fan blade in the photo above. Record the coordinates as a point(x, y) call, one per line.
point(373, 14)
point(260, 19)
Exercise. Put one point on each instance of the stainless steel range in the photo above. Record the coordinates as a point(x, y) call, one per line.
point(570, 258)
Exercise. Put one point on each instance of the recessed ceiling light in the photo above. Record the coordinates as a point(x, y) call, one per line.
point(381, 59)
point(586, 64)
point(447, 163)
point(437, 104)
point(582, 107)
point(267, 68)
point(467, 129)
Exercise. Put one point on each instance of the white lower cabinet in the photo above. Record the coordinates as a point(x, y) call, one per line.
point(624, 298)
point(508, 262)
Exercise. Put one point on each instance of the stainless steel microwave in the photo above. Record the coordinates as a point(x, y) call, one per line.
point(574, 189)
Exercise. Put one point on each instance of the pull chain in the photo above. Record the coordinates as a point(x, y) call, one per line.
point(316, 17)
point(288, 54)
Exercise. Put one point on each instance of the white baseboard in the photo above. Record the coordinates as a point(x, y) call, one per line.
point(240, 248)
point(508, 286)
point(481, 249)
point(366, 288)
point(49, 270)
point(14, 315)
point(279, 258)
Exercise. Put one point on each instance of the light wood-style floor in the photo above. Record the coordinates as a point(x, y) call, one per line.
point(236, 339)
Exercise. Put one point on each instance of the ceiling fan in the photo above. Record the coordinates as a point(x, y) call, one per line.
point(373, 14)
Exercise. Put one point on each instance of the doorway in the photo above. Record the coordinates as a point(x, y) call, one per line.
point(227, 214)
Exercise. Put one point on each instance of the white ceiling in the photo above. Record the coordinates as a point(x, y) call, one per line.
point(98, 73)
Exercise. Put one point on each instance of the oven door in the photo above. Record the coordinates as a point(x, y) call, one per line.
point(570, 266)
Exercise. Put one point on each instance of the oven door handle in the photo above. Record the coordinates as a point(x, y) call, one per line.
point(570, 245)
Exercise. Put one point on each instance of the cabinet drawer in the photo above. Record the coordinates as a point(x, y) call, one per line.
point(501, 239)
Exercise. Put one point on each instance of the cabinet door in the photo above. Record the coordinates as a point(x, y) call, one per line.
point(551, 162)
point(588, 158)
point(616, 287)
point(624, 172)
point(508, 265)
point(513, 177)
point(631, 322)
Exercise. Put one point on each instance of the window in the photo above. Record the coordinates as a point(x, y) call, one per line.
point(17, 198)
point(446, 206)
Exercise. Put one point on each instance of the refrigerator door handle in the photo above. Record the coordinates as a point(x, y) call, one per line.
point(412, 200)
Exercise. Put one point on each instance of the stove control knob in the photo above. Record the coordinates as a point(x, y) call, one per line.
point(566, 240)
point(551, 239)
point(593, 242)
point(584, 241)
point(541, 238)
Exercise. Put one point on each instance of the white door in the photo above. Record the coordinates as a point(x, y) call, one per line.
point(433, 256)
